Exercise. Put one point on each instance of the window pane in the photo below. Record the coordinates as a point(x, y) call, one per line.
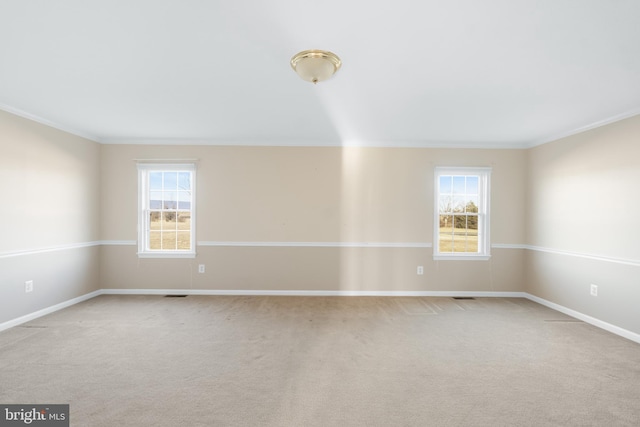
point(471, 236)
point(459, 234)
point(155, 200)
point(445, 184)
point(472, 185)
point(169, 240)
point(458, 185)
point(169, 222)
point(169, 204)
point(184, 221)
point(155, 240)
point(446, 221)
point(170, 180)
point(184, 180)
point(458, 204)
point(184, 200)
point(472, 204)
point(184, 240)
point(445, 237)
point(446, 204)
point(154, 221)
point(466, 238)
point(155, 180)
point(170, 200)
point(472, 224)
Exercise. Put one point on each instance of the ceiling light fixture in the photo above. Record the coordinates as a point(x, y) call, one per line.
point(315, 65)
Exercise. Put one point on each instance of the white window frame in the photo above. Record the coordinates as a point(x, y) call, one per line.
point(143, 210)
point(484, 220)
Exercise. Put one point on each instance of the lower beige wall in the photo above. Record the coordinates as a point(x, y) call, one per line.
point(58, 277)
point(279, 207)
point(565, 280)
point(313, 269)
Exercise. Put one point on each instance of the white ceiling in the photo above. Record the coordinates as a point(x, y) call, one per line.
point(465, 73)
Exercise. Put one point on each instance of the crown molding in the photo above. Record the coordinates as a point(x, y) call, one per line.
point(489, 145)
point(584, 128)
point(312, 143)
point(21, 113)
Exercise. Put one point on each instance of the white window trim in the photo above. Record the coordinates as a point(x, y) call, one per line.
point(143, 169)
point(484, 219)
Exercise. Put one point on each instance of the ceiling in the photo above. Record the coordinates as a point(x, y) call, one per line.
point(465, 73)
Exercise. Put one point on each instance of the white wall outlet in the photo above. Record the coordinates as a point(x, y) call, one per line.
point(200, 268)
point(28, 286)
point(594, 290)
point(420, 270)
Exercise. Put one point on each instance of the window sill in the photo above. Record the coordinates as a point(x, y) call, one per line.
point(166, 254)
point(465, 257)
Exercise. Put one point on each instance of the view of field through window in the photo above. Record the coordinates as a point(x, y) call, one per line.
point(458, 213)
point(170, 210)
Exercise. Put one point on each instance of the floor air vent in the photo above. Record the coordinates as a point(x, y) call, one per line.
point(463, 298)
point(175, 296)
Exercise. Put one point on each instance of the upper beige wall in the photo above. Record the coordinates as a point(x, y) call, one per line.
point(583, 192)
point(49, 182)
point(313, 194)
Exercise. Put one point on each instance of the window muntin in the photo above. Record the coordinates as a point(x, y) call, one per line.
point(166, 210)
point(461, 228)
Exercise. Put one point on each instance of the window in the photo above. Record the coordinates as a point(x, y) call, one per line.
point(166, 210)
point(461, 227)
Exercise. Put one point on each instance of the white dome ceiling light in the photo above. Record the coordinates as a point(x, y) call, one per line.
point(315, 65)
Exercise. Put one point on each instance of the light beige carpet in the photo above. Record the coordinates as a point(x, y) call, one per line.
point(321, 361)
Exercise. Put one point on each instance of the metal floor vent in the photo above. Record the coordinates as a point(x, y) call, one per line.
point(463, 298)
point(175, 296)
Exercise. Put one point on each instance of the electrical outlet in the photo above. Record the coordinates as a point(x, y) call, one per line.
point(420, 270)
point(28, 286)
point(594, 290)
point(201, 268)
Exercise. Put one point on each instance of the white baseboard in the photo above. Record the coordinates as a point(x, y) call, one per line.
point(588, 319)
point(313, 293)
point(26, 318)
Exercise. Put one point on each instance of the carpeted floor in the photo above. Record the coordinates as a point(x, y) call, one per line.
point(321, 361)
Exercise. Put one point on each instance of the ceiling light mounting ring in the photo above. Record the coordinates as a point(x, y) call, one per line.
point(315, 65)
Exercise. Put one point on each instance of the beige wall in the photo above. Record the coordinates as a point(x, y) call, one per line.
point(49, 183)
point(582, 198)
point(271, 195)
